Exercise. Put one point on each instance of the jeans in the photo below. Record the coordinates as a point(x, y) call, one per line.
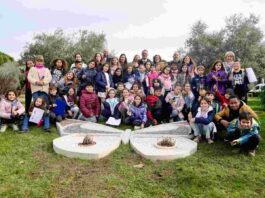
point(46, 122)
point(42, 94)
point(202, 129)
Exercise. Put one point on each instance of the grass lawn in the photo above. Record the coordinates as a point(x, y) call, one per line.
point(30, 168)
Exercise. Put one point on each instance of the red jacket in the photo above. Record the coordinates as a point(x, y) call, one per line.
point(89, 104)
point(222, 99)
point(153, 103)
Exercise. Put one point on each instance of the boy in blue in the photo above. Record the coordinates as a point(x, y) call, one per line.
point(244, 132)
point(198, 82)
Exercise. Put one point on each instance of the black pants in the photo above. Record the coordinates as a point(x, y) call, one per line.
point(28, 98)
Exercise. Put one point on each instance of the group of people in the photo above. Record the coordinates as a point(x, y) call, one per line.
point(141, 93)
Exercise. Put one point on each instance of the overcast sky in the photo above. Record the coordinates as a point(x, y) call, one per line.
point(157, 25)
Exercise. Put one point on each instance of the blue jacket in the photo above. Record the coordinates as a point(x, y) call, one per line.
point(87, 75)
point(245, 134)
point(138, 113)
point(101, 82)
point(202, 120)
point(198, 82)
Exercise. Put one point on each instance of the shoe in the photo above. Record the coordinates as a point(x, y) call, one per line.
point(252, 153)
point(15, 127)
point(47, 130)
point(136, 127)
point(210, 141)
point(3, 128)
point(24, 131)
point(197, 139)
point(191, 136)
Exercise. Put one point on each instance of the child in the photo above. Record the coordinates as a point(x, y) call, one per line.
point(166, 80)
point(114, 65)
point(202, 123)
point(11, 111)
point(211, 98)
point(87, 75)
point(57, 105)
point(153, 74)
point(71, 102)
point(77, 68)
point(117, 77)
point(136, 90)
point(174, 72)
point(98, 59)
point(239, 81)
point(143, 78)
point(111, 105)
point(244, 132)
point(190, 63)
point(120, 88)
point(28, 94)
point(154, 108)
point(126, 101)
point(189, 101)
point(183, 76)
point(217, 77)
point(58, 70)
point(198, 82)
point(69, 80)
point(39, 78)
point(176, 102)
point(137, 113)
point(40, 103)
point(89, 104)
point(130, 77)
point(224, 100)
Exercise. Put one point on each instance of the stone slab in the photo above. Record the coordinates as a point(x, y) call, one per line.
point(145, 146)
point(68, 146)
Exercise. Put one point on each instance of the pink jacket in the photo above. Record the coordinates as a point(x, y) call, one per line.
point(6, 108)
point(178, 105)
point(166, 81)
point(151, 77)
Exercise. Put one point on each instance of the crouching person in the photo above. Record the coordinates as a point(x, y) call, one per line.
point(89, 104)
point(40, 103)
point(244, 132)
point(11, 111)
point(202, 123)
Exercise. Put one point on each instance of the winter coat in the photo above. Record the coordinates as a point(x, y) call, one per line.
point(153, 103)
point(6, 107)
point(199, 119)
point(151, 77)
point(101, 82)
point(57, 75)
point(178, 103)
point(166, 81)
point(89, 104)
point(63, 87)
point(138, 113)
point(197, 83)
point(86, 76)
point(223, 100)
point(221, 83)
point(111, 108)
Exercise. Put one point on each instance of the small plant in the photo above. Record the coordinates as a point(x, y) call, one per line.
point(167, 142)
point(88, 140)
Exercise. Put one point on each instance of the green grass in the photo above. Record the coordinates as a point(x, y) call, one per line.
point(30, 168)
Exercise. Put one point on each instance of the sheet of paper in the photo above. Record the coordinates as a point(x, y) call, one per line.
point(36, 115)
point(114, 122)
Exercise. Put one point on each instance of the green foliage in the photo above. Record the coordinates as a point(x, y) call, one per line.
point(262, 98)
point(61, 45)
point(240, 35)
point(9, 77)
point(5, 58)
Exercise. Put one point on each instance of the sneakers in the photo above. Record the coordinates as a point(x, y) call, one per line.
point(24, 131)
point(252, 153)
point(15, 127)
point(210, 141)
point(3, 128)
point(47, 130)
point(191, 136)
point(197, 139)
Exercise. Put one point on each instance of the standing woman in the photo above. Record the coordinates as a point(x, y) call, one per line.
point(157, 59)
point(28, 94)
point(229, 60)
point(114, 65)
point(135, 61)
point(123, 61)
point(78, 58)
point(98, 58)
point(190, 63)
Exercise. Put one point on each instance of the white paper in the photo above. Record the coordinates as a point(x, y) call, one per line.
point(114, 122)
point(251, 75)
point(36, 115)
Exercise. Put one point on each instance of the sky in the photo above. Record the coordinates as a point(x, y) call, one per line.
point(160, 26)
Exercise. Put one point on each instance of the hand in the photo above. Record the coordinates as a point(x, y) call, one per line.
point(225, 123)
point(215, 87)
point(215, 78)
point(142, 125)
point(70, 113)
point(226, 105)
point(54, 105)
point(155, 122)
point(129, 113)
point(189, 116)
point(234, 142)
point(84, 76)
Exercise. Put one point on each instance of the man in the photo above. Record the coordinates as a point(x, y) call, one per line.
point(144, 58)
point(176, 59)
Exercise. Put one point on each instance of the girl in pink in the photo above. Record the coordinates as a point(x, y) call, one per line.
point(166, 80)
point(153, 74)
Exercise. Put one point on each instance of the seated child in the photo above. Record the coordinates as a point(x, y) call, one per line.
point(11, 111)
point(89, 104)
point(189, 99)
point(40, 103)
point(111, 105)
point(57, 105)
point(126, 101)
point(176, 101)
point(137, 113)
point(202, 123)
point(71, 100)
point(215, 104)
point(120, 88)
point(224, 100)
point(244, 132)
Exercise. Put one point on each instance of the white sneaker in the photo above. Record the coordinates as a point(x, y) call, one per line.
point(136, 127)
point(3, 128)
point(15, 127)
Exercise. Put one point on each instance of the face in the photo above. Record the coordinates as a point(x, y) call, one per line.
point(137, 100)
point(148, 66)
point(158, 67)
point(157, 58)
point(120, 87)
point(158, 93)
point(204, 105)
point(145, 54)
point(92, 65)
point(89, 89)
point(106, 68)
point(105, 52)
point(129, 69)
point(71, 92)
point(78, 57)
point(153, 68)
point(118, 72)
point(122, 58)
point(177, 90)
point(200, 72)
point(38, 102)
point(125, 93)
point(229, 58)
point(167, 70)
point(218, 66)
point(114, 61)
point(245, 124)
point(11, 96)
point(70, 76)
point(187, 87)
point(176, 55)
point(136, 58)
point(135, 87)
point(187, 60)
point(236, 66)
point(227, 96)
point(30, 64)
point(210, 97)
point(142, 68)
point(53, 92)
point(112, 94)
point(78, 65)
point(184, 68)
point(234, 104)
point(39, 62)
point(59, 63)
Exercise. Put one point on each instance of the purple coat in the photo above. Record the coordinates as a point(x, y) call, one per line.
point(221, 82)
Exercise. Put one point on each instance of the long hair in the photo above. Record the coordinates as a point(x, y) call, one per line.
point(140, 102)
point(215, 63)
